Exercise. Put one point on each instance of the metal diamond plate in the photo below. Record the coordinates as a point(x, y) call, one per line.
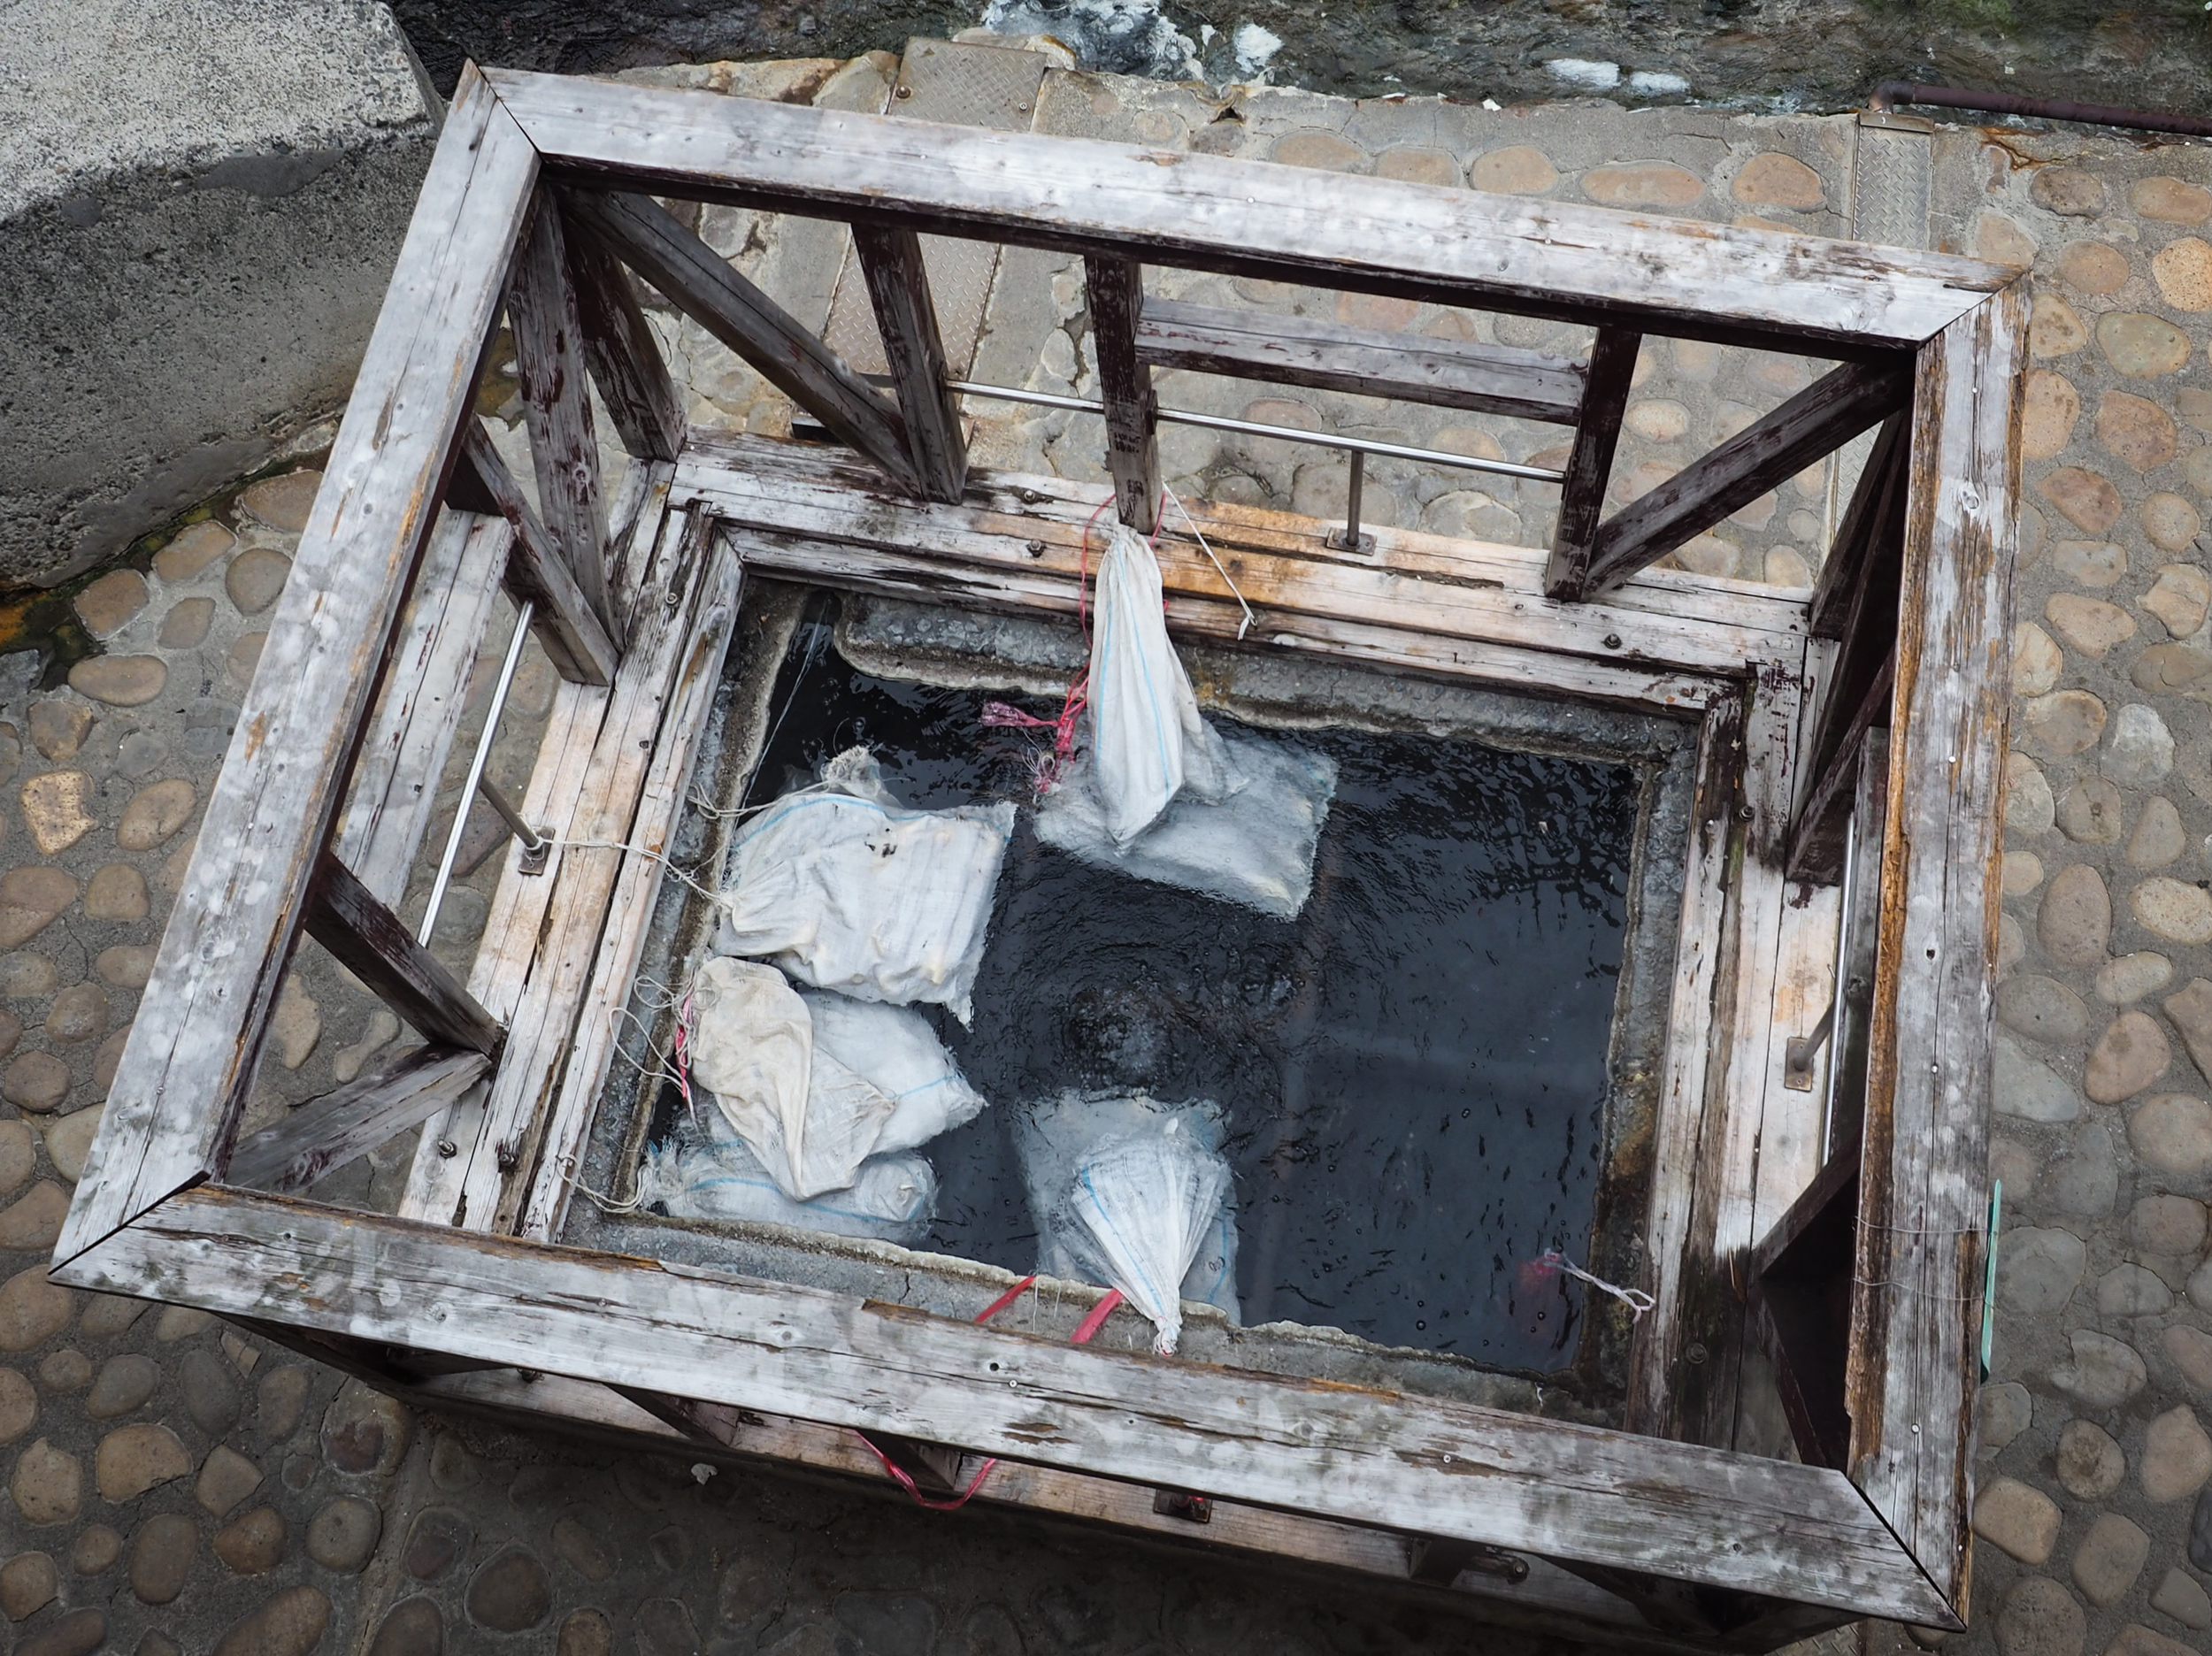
point(991, 87)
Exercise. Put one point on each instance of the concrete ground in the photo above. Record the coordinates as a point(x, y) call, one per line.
point(176, 1487)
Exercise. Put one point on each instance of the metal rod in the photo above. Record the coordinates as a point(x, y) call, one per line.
point(1353, 485)
point(524, 614)
point(532, 842)
point(1892, 92)
point(1288, 433)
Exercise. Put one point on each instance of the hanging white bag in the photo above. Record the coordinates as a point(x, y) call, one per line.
point(892, 1198)
point(852, 893)
point(895, 1050)
point(808, 1120)
point(1148, 742)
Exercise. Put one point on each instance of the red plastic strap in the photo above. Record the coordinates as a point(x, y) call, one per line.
point(1096, 1320)
point(1084, 1330)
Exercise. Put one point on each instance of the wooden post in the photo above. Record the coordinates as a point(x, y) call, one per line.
point(578, 639)
point(906, 317)
point(1590, 466)
point(325, 1135)
point(189, 1063)
point(625, 358)
point(369, 941)
point(556, 404)
point(1916, 1317)
point(701, 284)
point(1124, 385)
point(1826, 414)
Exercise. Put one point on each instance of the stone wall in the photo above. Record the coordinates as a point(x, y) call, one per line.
point(200, 204)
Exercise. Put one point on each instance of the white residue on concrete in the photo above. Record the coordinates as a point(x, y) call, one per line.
point(1255, 49)
point(1585, 72)
point(1117, 36)
point(1658, 83)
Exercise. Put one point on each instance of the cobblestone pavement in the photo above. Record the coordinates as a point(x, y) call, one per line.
point(173, 1486)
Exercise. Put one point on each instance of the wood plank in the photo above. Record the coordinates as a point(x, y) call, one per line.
point(1115, 285)
point(621, 350)
point(1877, 498)
point(527, 1095)
point(189, 1061)
point(1657, 1355)
point(556, 404)
point(555, 793)
point(1790, 1150)
point(1286, 224)
point(369, 941)
point(324, 1135)
point(1365, 361)
point(1550, 1599)
point(1916, 1323)
point(703, 285)
point(1861, 915)
point(1590, 464)
point(395, 791)
point(1034, 528)
point(1819, 419)
point(630, 911)
point(580, 642)
point(1724, 1211)
point(1515, 1481)
point(548, 966)
point(906, 318)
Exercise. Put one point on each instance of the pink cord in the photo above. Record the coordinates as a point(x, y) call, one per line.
point(1084, 1330)
point(1046, 769)
point(680, 1052)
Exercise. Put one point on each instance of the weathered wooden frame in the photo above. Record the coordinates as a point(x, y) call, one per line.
point(538, 192)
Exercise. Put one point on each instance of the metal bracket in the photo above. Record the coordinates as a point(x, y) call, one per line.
point(1798, 1055)
point(1184, 1505)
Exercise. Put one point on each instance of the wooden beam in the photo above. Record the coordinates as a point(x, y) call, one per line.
point(1027, 532)
point(1826, 414)
point(189, 1063)
point(702, 284)
point(369, 940)
point(578, 639)
point(636, 892)
point(556, 404)
point(1549, 1600)
point(906, 317)
point(326, 1134)
point(1520, 1481)
point(1700, 968)
point(1590, 464)
point(1406, 367)
point(624, 355)
point(1823, 822)
point(1116, 286)
point(1289, 223)
point(1877, 501)
point(395, 791)
point(1917, 1324)
point(1799, 1281)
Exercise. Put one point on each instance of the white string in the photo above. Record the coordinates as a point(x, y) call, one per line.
point(1245, 625)
point(1635, 1299)
point(606, 1203)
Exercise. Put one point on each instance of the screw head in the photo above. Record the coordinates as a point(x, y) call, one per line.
point(447, 1148)
point(1612, 640)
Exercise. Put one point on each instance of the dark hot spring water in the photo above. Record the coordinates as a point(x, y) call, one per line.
point(1414, 1070)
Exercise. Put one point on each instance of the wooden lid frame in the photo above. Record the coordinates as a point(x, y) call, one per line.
point(534, 199)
